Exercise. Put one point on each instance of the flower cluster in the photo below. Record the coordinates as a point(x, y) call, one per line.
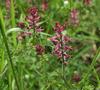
point(39, 49)
point(8, 4)
point(22, 35)
point(44, 5)
point(21, 25)
point(29, 1)
point(60, 43)
point(33, 20)
point(76, 77)
point(87, 2)
point(74, 17)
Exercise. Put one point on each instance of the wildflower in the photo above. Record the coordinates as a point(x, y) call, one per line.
point(33, 16)
point(39, 29)
point(87, 2)
point(58, 28)
point(22, 35)
point(21, 25)
point(33, 19)
point(33, 11)
point(39, 49)
point(74, 17)
point(44, 5)
point(54, 39)
point(76, 77)
point(60, 43)
point(8, 4)
point(29, 1)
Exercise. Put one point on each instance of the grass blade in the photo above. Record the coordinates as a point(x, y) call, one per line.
point(2, 29)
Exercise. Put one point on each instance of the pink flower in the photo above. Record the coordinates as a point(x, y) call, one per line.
point(60, 43)
point(21, 25)
point(39, 29)
point(60, 51)
point(33, 11)
point(58, 28)
point(87, 2)
point(29, 1)
point(22, 35)
point(8, 4)
point(54, 39)
point(67, 48)
point(39, 49)
point(74, 18)
point(33, 19)
point(44, 5)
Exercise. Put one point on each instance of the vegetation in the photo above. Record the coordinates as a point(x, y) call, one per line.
point(49, 45)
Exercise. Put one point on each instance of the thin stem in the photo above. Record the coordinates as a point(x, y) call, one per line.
point(70, 2)
point(97, 76)
point(9, 78)
point(2, 27)
point(13, 20)
point(63, 68)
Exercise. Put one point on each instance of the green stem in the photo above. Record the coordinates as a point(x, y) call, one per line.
point(9, 78)
point(70, 2)
point(2, 28)
point(97, 76)
point(12, 10)
point(63, 68)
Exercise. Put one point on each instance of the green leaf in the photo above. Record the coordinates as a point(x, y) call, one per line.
point(14, 30)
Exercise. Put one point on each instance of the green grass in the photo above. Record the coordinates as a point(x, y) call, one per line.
point(22, 69)
point(10, 62)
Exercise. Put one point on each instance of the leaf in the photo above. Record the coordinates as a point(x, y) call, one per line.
point(2, 62)
point(14, 30)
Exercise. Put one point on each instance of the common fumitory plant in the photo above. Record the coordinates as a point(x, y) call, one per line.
point(8, 5)
point(74, 17)
point(22, 35)
point(60, 42)
point(76, 77)
point(39, 49)
point(21, 25)
point(25, 33)
point(33, 20)
point(44, 5)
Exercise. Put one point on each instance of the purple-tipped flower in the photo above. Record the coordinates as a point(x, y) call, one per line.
point(60, 42)
point(74, 17)
point(21, 25)
point(54, 39)
point(44, 5)
point(29, 1)
point(33, 11)
point(58, 28)
point(87, 2)
point(8, 4)
point(33, 19)
point(22, 35)
point(39, 49)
